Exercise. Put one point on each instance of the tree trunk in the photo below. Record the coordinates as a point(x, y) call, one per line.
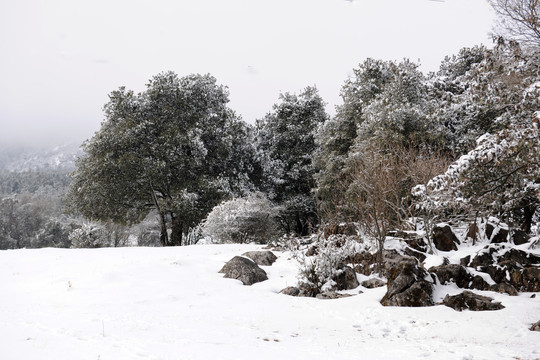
point(163, 236)
point(177, 230)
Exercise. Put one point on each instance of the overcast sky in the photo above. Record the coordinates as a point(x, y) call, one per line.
point(59, 59)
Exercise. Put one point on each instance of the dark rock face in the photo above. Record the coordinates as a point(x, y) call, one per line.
point(444, 238)
point(519, 237)
point(346, 278)
point(263, 258)
point(500, 237)
point(244, 270)
point(452, 273)
point(506, 265)
point(407, 286)
point(459, 275)
point(373, 283)
point(470, 301)
point(291, 291)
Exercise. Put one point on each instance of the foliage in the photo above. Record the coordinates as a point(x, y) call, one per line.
point(175, 148)
point(285, 144)
point(317, 272)
point(249, 219)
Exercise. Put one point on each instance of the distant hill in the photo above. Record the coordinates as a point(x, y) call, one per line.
point(59, 158)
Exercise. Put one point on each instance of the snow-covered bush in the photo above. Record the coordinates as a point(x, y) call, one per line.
point(87, 236)
point(96, 235)
point(242, 220)
point(317, 272)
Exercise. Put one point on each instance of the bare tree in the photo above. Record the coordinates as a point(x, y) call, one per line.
point(519, 20)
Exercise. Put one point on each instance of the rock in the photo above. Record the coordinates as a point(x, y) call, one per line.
point(418, 294)
point(519, 237)
point(346, 278)
point(478, 283)
point(468, 300)
point(489, 230)
point(452, 273)
point(291, 291)
point(504, 288)
point(535, 326)
point(533, 296)
point(243, 269)
point(530, 278)
point(331, 295)
point(408, 286)
point(444, 238)
point(262, 258)
point(373, 283)
point(500, 236)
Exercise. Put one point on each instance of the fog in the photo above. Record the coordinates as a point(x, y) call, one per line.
point(61, 58)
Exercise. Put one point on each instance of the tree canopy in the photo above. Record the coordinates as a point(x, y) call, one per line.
point(172, 148)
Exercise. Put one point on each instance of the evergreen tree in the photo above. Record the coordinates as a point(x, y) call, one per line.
point(172, 148)
point(285, 145)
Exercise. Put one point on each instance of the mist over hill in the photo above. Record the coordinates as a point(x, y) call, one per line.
point(25, 158)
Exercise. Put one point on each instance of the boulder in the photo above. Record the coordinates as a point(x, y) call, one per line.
point(452, 273)
point(243, 269)
point(500, 236)
point(262, 258)
point(519, 237)
point(535, 326)
point(530, 279)
point(468, 300)
point(444, 238)
point(478, 283)
point(504, 288)
point(291, 291)
point(408, 285)
point(346, 278)
point(373, 283)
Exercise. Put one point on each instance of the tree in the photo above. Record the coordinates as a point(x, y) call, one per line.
point(285, 147)
point(519, 19)
point(387, 107)
point(172, 148)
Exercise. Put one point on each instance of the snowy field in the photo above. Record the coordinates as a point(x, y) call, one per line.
point(171, 303)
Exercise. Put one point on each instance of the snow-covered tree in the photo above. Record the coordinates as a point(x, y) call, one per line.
point(285, 145)
point(172, 148)
point(501, 176)
point(248, 219)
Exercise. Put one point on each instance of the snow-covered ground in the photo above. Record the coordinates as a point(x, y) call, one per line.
point(171, 303)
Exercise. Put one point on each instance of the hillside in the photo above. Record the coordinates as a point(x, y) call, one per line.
point(171, 303)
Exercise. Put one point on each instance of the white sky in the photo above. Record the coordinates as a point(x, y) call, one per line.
point(59, 59)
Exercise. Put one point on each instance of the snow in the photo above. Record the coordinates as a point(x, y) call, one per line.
point(171, 303)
